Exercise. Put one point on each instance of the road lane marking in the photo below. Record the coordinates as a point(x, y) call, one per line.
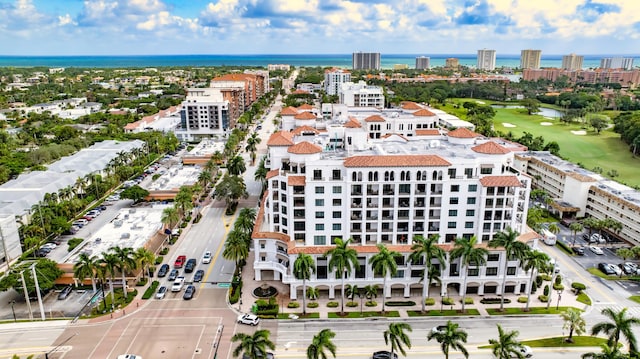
point(227, 228)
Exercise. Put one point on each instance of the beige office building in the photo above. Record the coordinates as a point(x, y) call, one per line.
point(530, 59)
point(572, 62)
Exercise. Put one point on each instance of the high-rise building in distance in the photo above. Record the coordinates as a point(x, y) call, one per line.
point(617, 63)
point(530, 59)
point(452, 63)
point(423, 63)
point(486, 60)
point(366, 61)
point(334, 78)
point(572, 62)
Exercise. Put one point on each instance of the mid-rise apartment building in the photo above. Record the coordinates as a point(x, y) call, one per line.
point(204, 114)
point(366, 61)
point(361, 95)
point(278, 67)
point(423, 63)
point(618, 76)
point(486, 60)
point(530, 59)
point(334, 78)
point(625, 63)
point(572, 62)
point(254, 85)
point(384, 176)
point(452, 63)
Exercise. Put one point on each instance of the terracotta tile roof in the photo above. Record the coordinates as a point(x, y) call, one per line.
point(428, 132)
point(288, 111)
point(396, 161)
point(234, 77)
point(335, 69)
point(400, 248)
point(462, 133)
point(306, 115)
point(408, 105)
point(304, 148)
point(296, 180)
point(300, 92)
point(500, 181)
point(281, 138)
point(272, 173)
point(305, 106)
point(304, 129)
point(490, 148)
point(581, 177)
point(353, 123)
point(374, 118)
point(424, 113)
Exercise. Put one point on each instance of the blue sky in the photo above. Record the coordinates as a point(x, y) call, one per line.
point(140, 27)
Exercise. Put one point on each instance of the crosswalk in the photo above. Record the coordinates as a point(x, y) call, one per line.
point(633, 311)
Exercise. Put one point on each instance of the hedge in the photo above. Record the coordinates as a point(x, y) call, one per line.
point(351, 304)
point(447, 301)
point(467, 300)
point(312, 305)
point(543, 298)
point(400, 303)
point(522, 299)
point(73, 243)
point(159, 260)
point(151, 290)
point(564, 247)
point(430, 301)
point(371, 303)
point(578, 287)
point(494, 300)
point(293, 305)
point(333, 304)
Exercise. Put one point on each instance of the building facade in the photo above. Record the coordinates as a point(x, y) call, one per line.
point(204, 114)
point(385, 177)
point(366, 60)
point(452, 63)
point(530, 59)
point(333, 79)
point(361, 95)
point(618, 76)
point(486, 60)
point(625, 63)
point(423, 63)
point(572, 62)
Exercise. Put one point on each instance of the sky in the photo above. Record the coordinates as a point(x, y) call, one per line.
point(166, 27)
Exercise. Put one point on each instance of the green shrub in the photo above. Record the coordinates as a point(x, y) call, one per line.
point(164, 251)
point(184, 224)
point(293, 305)
point(546, 290)
point(564, 247)
point(543, 298)
point(558, 287)
point(558, 280)
point(371, 303)
point(522, 299)
point(546, 277)
point(351, 304)
point(538, 280)
point(467, 300)
point(152, 289)
point(73, 243)
point(333, 304)
point(430, 301)
point(534, 287)
point(578, 287)
point(447, 301)
point(159, 260)
point(312, 305)
point(155, 176)
point(142, 282)
point(400, 303)
point(494, 300)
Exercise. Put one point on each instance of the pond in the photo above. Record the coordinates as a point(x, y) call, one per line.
point(547, 112)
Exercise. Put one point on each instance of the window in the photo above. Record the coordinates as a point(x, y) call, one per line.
point(319, 240)
point(337, 202)
point(468, 172)
point(319, 214)
point(471, 200)
point(337, 189)
point(473, 188)
point(453, 213)
point(319, 190)
point(319, 202)
point(298, 226)
point(337, 214)
point(493, 257)
point(336, 174)
point(317, 174)
point(471, 212)
point(337, 227)
point(319, 227)
point(473, 272)
point(511, 270)
point(486, 170)
point(468, 224)
point(453, 200)
point(492, 271)
point(451, 225)
point(455, 188)
point(452, 173)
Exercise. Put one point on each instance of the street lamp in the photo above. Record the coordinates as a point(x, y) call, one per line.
point(442, 296)
point(559, 297)
point(13, 302)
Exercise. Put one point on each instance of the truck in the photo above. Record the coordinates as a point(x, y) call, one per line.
point(548, 238)
point(177, 284)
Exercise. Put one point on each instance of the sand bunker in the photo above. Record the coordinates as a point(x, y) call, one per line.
point(507, 124)
point(480, 102)
point(546, 124)
point(579, 133)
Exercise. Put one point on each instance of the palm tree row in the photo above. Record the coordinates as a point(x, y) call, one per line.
point(238, 241)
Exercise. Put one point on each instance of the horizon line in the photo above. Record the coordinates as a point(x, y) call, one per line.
point(307, 54)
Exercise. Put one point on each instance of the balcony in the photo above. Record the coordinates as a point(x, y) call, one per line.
point(372, 204)
point(356, 204)
point(371, 192)
point(373, 217)
point(298, 203)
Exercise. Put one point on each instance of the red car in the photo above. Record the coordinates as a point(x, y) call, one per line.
point(180, 261)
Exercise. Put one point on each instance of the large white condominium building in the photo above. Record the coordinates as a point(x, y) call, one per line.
point(204, 114)
point(423, 63)
point(366, 61)
point(572, 62)
point(333, 79)
point(617, 63)
point(385, 176)
point(361, 95)
point(486, 60)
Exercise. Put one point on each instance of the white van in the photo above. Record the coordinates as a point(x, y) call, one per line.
point(548, 238)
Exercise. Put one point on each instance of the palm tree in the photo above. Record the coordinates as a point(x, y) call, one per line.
point(554, 228)
point(384, 264)
point(320, 344)
point(342, 260)
point(126, 262)
point(620, 324)
point(252, 143)
point(397, 336)
point(109, 262)
point(246, 220)
point(236, 165)
point(573, 321)
point(371, 291)
point(451, 336)
point(303, 267)
point(184, 200)
point(506, 346)
point(508, 240)
point(86, 267)
point(230, 189)
point(144, 258)
point(469, 254)
point(253, 346)
point(534, 261)
point(575, 227)
point(425, 250)
point(235, 248)
point(205, 178)
point(608, 352)
point(261, 172)
point(313, 293)
point(170, 216)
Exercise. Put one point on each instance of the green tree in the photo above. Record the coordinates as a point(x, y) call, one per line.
point(246, 220)
point(47, 272)
point(135, 193)
point(451, 336)
point(236, 165)
point(253, 346)
point(513, 249)
point(184, 200)
point(532, 105)
point(303, 267)
point(85, 267)
point(170, 216)
point(574, 322)
point(608, 352)
point(507, 345)
point(205, 178)
point(619, 324)
point(230, 189)
point(126, 262)
point(424, 250)
point(144, 258)
point(321, 344)
point(625, 253)
point(469, 254)
point(398, 338)
point(342, 260)
point(108, 264)
point(252, 146)
point(384, 264)
point(235, 248)
point(575, 227)
point(261, 173)
point(598, 124)
point(534, 261)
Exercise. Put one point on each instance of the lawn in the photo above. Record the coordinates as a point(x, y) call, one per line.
point(532, 310)
point(444, 313)
point(308, 316)
point(635, 298)
point(598, 273)
point(578, 341)
point(388, 314)
point(584, 298)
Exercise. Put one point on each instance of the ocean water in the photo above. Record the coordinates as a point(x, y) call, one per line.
point(338, 60)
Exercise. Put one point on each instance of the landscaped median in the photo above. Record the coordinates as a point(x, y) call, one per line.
point(532, 310)
point(560, 342)
point(444, 313)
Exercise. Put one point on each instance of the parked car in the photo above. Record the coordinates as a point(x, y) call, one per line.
point(525, 351)
point(628, 268)
point(439, 329)
point(190, 265)
point(174, 274)
point(383, 354)
point(616, 269)
point(578, 250)
point(206, 258)
point(179, 261)
point(164, 269)
point(249, 319)
point(597, 238)
point(189, 292)
point(596, 250)
point(606, 269)
point(65, 292)
point(80, 222)
point(198, 276)
point(161, 292)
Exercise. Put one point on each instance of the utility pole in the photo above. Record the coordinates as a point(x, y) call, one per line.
point(35, 281)
point(26, 295)
point(553, 280)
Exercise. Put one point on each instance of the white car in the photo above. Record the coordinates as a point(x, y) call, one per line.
point(178, 284)
point(526, 351)
point(249, 319)
point(596, 250)
point(616, 269)
point(206, 258)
